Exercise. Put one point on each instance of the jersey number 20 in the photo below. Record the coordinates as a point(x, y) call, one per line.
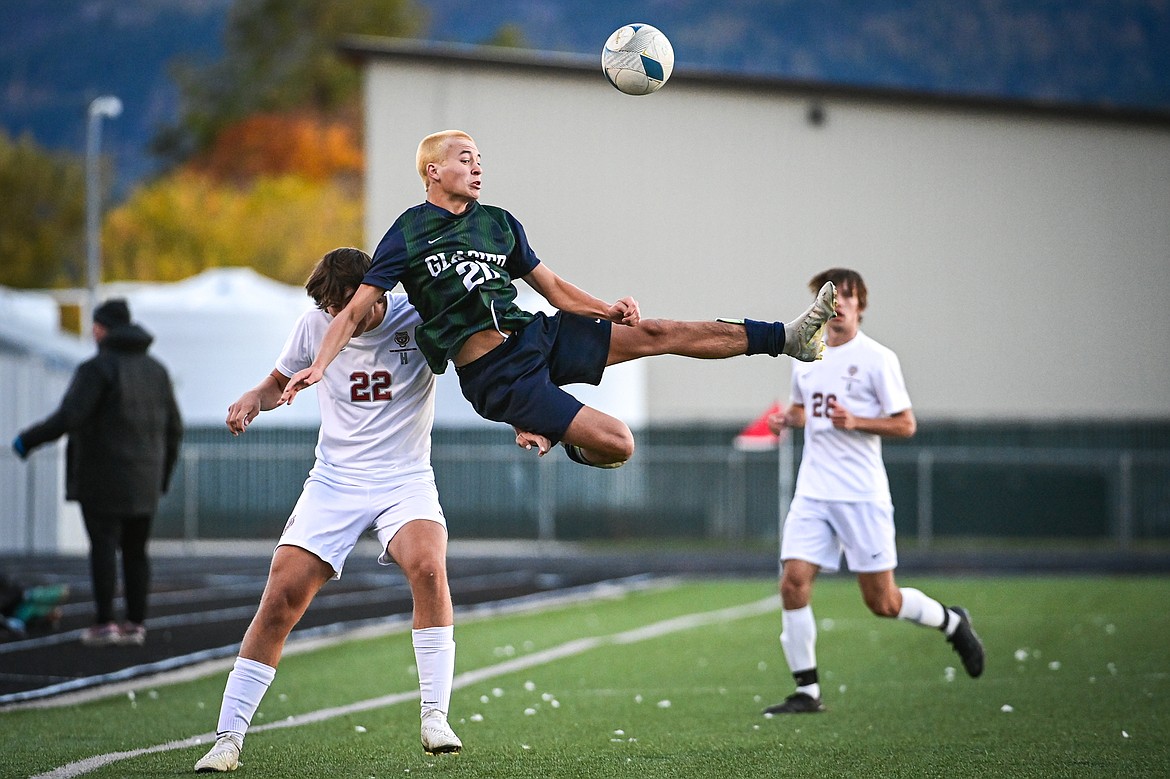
point(475, 273)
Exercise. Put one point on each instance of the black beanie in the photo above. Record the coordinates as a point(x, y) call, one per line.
point(112, 313)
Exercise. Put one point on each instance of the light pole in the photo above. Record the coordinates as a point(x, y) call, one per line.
point(104, 106)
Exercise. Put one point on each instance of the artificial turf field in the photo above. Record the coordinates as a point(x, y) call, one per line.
point(669, 682)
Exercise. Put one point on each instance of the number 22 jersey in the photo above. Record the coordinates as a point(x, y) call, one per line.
point(377, 397)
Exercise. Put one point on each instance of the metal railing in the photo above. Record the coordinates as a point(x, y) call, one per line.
point(225, 490)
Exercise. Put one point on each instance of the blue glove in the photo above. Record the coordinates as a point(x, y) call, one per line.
point(19, 447)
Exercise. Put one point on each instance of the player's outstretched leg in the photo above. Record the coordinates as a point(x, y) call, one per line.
point(598, 440)
point(221, 758)
point(966, 642)
point(804, 337)
point(437, 736)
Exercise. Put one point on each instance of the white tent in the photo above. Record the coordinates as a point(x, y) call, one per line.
point(219, 333)
point(36, 364)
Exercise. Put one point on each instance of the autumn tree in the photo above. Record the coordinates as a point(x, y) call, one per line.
point(42, 220)
point(278, 55)
point(274, 192)
point(187, 222)
point(301, 143)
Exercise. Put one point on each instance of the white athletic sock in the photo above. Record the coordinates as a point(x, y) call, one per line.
point(799, 641)
point(246, 685)
point(434, 654)
point(921, 609)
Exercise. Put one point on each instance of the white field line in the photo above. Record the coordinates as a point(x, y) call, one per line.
point(568, 649)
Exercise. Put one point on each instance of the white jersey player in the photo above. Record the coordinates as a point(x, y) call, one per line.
point(846, 403)
point(866, 379)
point(372, 473)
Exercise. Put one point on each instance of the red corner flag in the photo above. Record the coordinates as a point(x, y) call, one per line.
point(756, 437)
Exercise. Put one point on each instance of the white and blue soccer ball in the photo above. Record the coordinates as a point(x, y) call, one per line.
point(637, 59)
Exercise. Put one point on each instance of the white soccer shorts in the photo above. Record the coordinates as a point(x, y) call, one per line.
point(819, 531)
point(331, 515)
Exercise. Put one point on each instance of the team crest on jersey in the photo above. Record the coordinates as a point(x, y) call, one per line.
point(401, 339)
point(852, 371)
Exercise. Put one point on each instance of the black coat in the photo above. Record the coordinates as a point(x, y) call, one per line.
point(123, 424)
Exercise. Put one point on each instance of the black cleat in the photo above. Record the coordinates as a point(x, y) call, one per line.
point(797, 703)
point(966, 643)
point(577, 456)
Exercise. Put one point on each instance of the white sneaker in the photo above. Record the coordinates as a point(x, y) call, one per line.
point(804, 337)
point(131, 634)
point(223, 757)
point(437, 736)
point(108, 634)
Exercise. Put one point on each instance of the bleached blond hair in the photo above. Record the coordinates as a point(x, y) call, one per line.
point(433, 149)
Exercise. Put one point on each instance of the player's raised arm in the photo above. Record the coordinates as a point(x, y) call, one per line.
point(263, 397)
point(569, 297)
point(337, 335)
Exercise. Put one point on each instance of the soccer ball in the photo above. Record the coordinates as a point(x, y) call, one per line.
point(637, 59)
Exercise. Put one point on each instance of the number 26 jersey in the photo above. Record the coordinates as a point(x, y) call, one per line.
point(866, 378)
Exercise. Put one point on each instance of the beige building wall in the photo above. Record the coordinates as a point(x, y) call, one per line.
point(1018, 259)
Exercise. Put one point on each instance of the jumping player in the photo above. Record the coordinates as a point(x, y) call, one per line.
point(379, 390)
point(458, 259)
point(846, 403)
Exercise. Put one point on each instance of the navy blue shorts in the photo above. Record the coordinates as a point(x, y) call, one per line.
point(519, 382)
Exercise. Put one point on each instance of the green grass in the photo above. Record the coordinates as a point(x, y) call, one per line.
point(1082, 662)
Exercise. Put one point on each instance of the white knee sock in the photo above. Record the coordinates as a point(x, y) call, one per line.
point(246, 685)
point(799, 641)
point(434, 654)
point(921, 609)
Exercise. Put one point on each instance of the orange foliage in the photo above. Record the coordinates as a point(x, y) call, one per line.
point(186, 222)
point(300, 144)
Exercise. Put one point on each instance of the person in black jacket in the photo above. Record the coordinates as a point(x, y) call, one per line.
point(124, 430)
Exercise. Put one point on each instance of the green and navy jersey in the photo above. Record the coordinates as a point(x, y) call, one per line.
point(458, 271)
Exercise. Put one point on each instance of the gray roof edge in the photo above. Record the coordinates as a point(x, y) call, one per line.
point(52, 348)
point(369, 47)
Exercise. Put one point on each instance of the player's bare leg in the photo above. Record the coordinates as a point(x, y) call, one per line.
point(796, 583)
point(886, 599)
point(709, 340)
point(420, 549)
point(801, 338)
point(597, 439)
point(294, 578)
point(881, 595)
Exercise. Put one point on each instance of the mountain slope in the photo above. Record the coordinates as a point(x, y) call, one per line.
point(57, 56)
